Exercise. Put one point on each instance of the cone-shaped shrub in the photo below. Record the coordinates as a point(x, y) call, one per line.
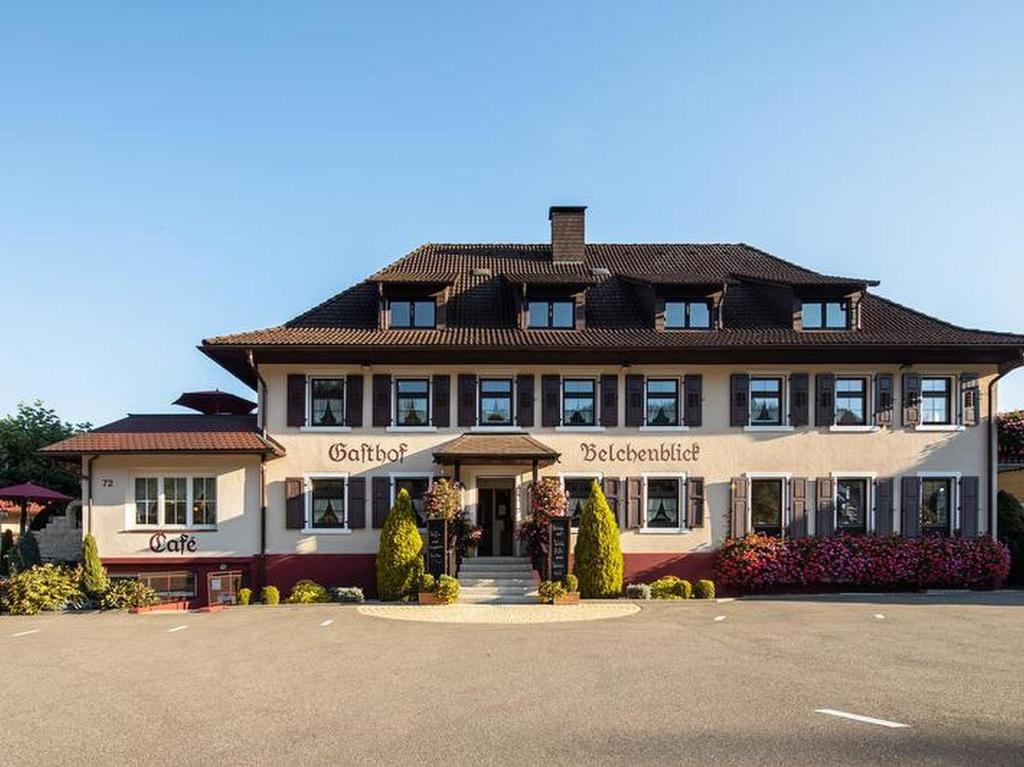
point(598, 557)
point(399, 564)
point(94, 575)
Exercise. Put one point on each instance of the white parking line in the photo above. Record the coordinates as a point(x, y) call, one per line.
point(725, 599)
point(719, 618)
point(25, 633)
point(326, 623)
point(879, 616)
point(176, 628)
point(860, 718)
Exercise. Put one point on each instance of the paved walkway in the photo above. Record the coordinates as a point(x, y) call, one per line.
point(500, 613)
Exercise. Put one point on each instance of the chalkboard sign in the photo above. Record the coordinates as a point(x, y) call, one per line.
point(558, 559)
point(437, 546)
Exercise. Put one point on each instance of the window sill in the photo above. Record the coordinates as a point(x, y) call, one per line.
point(151, 530)
point(664, 428)
point(853, 429)
point(501, 429)
point(588, 429)
point(327, 429)
point(325, 531)
point(940, 427)
point(769, 428)
point(411, 429)
point(662, 530)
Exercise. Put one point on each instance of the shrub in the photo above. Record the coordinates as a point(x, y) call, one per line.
point(244, 597)
point(671, 587)
point(447, 589)
point(94, 575)
point(572, 583)
point(6, 547)
point(1011, 533)
point(126, 593)
point(348, 594)
point(443, 499)
point(638, 591)
point(548, 499)
point(549, 590)
point(399, 564)
point(427, 583)
point(598, 557)
point(44, 587)
point(704, 589)
point(307, 592)
point(269, 595)
point(25, 553)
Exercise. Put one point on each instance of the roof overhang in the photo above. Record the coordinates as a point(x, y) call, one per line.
point(495, 449)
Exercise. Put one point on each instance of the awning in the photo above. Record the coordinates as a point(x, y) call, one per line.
point(495, 449)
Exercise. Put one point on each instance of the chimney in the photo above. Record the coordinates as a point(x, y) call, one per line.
point(567, 235)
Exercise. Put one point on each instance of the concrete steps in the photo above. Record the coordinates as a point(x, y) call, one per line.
point(496, 580)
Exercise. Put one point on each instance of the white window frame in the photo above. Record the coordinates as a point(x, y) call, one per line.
point(310, 377)
point(955, 476)
point(597, 427)
point(683, 500)
point(869, 424)
point(786, 424)
point(870, 511)
point(787, 496)
point(955, 414)
point(680, 405)
point(599, 476)
point(394, 476)
point(307, 486)
point(171, 594)
point(395, 426)
point(160, 476)
point(513, 426)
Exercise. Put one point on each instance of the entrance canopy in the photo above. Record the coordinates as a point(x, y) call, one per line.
point(495, 449)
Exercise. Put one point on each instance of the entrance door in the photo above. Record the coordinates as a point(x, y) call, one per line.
point(496, 517)
point(222, 588)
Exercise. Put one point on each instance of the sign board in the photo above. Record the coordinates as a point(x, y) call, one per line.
point(367, 452)
point(437, 546)
point(664, 452)
point(159, 543)
point(558, 548)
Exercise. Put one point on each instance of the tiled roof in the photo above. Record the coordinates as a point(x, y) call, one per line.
point(170, 433)
point(495, 447)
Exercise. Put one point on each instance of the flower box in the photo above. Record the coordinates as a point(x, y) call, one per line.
point(426, 598)
point(572, 598)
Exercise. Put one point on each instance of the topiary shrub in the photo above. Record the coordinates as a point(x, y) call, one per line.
point(638, 591)
point(244, 597)
point(6, 547)
point(548, 591)
point(598, 557)
point(127, 593)
point(447, 589)
point(94, 575)
point(269, 595)
point(348, 594)
point(44, 587)
point(572, 583)
point(307, 592)
point(427, 583)
point(399, 564)
point(25, 553)
point(704, 589)
point(671, 587)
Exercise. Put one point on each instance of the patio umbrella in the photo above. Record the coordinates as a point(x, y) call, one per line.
point(26, 493)
point(215, 402)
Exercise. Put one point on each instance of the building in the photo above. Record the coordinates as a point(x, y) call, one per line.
point(712, 390)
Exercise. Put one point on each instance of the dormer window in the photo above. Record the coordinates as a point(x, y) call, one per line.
point(412, 314)
point(825, 315)
point(687, 315)
point(552, 313)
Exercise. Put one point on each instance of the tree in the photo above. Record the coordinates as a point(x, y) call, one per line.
point(1011, 532)
point(94, 575)
point(21, 435)
point(598, 556)
point(6, 547)
point(25, 554)
point(399, 564)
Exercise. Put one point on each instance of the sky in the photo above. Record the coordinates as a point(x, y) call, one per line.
point(173, 171)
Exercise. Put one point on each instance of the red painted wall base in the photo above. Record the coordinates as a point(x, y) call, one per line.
point(644, 568)
point(329, 570)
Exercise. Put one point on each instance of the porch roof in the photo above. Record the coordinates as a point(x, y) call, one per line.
point(495, 449)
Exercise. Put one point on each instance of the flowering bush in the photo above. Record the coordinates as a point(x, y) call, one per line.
point(548, 499)
point(763, 563)
point(443, 499)
point(1011, 436)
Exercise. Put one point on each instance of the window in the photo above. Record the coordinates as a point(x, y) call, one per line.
point(328, 503)
point(327, 401)
point(687, 314)
point(765, 401)
point(578, 490)
point(416, 487)
point(412, 402)
point(552, 314)
point(825, 315)
point(936, 505)
point(852, 505)
point(174, 502)
point(578, 402)
point(204, 501)
point(663, 402)
point(664, 501)
point(413, 314)
point(851, 401)
point(170, 585)
point(766, 506)
point(495, 402)
point(936, 400)
point(147, 500)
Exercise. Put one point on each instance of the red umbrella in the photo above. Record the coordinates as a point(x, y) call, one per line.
point(27, 493)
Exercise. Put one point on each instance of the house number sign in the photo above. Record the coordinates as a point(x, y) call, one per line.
point(365, 452)
point(666, 452)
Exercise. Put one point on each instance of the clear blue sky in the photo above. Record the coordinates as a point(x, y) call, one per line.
point(170, 171)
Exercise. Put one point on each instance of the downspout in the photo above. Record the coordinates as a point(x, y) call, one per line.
point(88, 488)
point(260, 382)
point(993, 469)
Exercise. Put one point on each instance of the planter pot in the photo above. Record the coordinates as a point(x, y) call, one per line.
point(568, 599)
point(471, 552)
point(426, 598)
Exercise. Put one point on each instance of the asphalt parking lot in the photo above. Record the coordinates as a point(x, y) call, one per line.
point(735, 683)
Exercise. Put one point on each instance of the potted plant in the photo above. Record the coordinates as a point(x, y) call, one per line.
point(563, 592)
point(547, 499)
point(440, 591)
point(425, 590)
point(472, 538)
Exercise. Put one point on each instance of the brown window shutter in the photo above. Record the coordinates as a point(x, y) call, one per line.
point(883, 399)
point(381, 489)
point(634, 499)
point(739, 506)
point(825, 397)
point(693, 400)
point(524, 401)
point(634, 400)
point(969, 400)
point(799, 399)
point(883, 506)
point(354, 401)
point(382, 400)
point(357, 503)
point(296, 400)
point(295, 503)
point(910, 507)
point(550, 400)
point(441, 393)
point(610, 488)
point(739, 392)
point(609, 400)
point(825, 522)
point(467, 400)
point(798, 508)
point(911, 399)
point(969, 527)
point(695, 502)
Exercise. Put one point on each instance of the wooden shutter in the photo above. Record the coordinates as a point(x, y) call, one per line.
point(550, 399)
point(524, 401)
point(799, 399)
point(695, 501)
point(467, 400)
point(910, 507)
point(883, 399)
point(610, 487)
point(911, 399)
point(441, 394)
point(295, 503)
point(825, 521)
point(634, 499)
point(354, 401)
point(634, 400)
point(739, 506)
point(883, 506)
point(824, 399)
point(382, 400)
point(969, 400)
point(357, 503)
point(739, 391)
point(609, 400)
point(296, 400)
point(381, 489)
point(969, 507)
point(798, 508)
point(693, 393)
